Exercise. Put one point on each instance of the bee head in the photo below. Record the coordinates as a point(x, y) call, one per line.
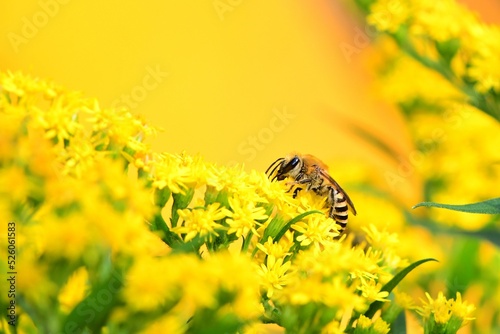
point(289, 167)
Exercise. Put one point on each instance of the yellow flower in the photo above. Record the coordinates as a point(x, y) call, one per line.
point(230, 179)
point(429, 21)
point(404, 300)
point(168, 172)
point(243, 216)
point(170, 323)
point(388, 15)
point(200, 221)
point(486, 63)
point(61, 122)
point(331, 292)
point(120, 127)
point(151, 282)
point(438, 19)
point(439, 308)
point(364, 322)
point(380, 240)
point(366, 325)
point(74, 291)
point(274, 274)
point(276, 249)
point(261, 189)
point(35, 282)
point(27, 87)
point(78, 158)
point(334, 327)
point(371, 291)
point(74, 234)
point(462, 309)
point(380, 326)
point(15, 183)
point(236, 273)
point(316, 230)
point(308, 201)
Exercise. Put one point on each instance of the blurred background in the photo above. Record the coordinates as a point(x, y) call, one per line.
point(249, 81)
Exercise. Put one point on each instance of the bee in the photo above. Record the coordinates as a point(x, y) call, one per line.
point(312, 174)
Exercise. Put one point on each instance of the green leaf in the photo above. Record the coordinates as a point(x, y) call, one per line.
point(93, 312)
point(377, 305)
point(491, 206)
point(192, 246)
point(399, 325)
point(448, 49)
point(464, 266)
point(162, 196)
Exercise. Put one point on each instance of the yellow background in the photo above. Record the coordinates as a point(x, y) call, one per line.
point(229, 65)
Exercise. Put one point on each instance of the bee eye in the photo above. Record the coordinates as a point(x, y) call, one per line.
point(285, 168)
point(294, 162)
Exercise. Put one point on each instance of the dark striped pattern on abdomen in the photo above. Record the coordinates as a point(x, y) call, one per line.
point(338, 210)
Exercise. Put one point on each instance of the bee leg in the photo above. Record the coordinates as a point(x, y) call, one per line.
point(296, 191)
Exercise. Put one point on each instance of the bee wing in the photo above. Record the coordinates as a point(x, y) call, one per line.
point(339, 189)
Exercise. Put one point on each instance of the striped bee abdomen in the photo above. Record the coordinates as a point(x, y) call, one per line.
point(339, 208)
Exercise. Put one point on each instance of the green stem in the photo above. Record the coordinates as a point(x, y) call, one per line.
point(487, 103)
point(246, 243)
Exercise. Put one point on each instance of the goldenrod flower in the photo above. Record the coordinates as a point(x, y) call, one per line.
point(462, 310)
point(404, 300)
point(365, 325)
point(73, 233)
point(243, 216)
point(371, 290)
point(380, 239)
point(154, 281)
point(230, 179)
point(118, 127)
point(168, 172)
point(485, 67)
point(170, 323)
point(316, 230)
point(275, 274)
point(201, 222)
point(15, 183)
point(380, 326)
point(449, 315)
point(438, 308)
point(74, 291)
point(387, 15)
point(276, 249)
point(261, 189)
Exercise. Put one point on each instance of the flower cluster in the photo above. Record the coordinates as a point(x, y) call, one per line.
point(461, 51)
point(436, 61)
point(115, 237)
point(443, 315)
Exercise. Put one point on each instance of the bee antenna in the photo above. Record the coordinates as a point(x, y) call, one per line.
point(276, 163)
